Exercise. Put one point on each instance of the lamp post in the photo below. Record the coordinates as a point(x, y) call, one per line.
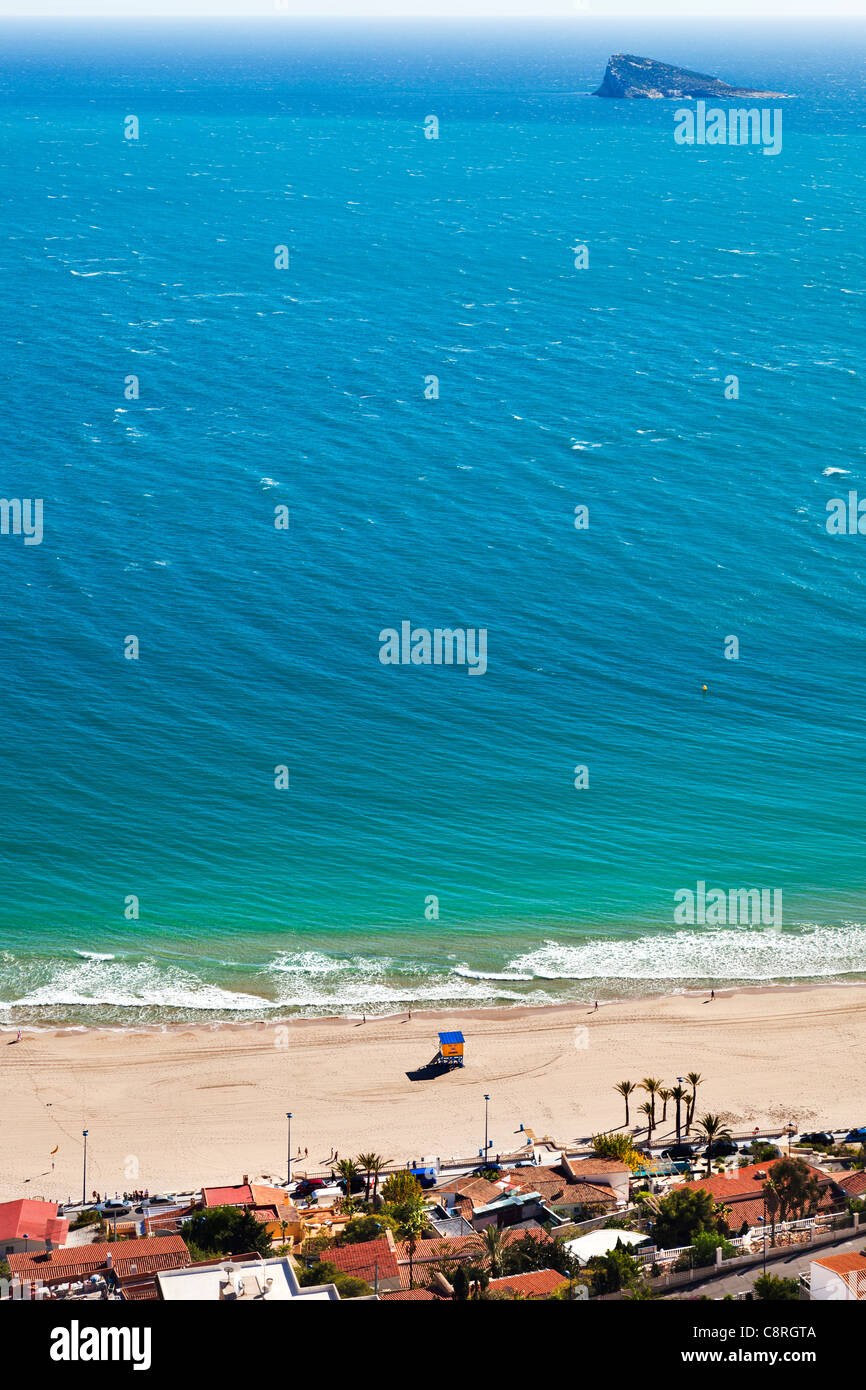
point(486, 1104)
point(84, 1172)
point(289, 1150)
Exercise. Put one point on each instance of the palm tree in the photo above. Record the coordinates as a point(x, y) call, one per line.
point(625, 1089)
point(348, 1170)
point(664, 1096)
point(646, 1109)
point(651, 1085)
point(366, 1163)
point(377, 1167)
point(714, 1130)
point(492, 1243)
point(413, 1225)
point(695, 1080)
point(679, 1094)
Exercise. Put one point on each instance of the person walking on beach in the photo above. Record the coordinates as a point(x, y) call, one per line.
point(712, 994)
point(596, 1007)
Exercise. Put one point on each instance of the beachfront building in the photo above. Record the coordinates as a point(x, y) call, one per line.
point(741, 1189)
point(27, 1225)
point(560, 1191)
point(611, 1173)
point(242, 1280)
point(80, 1268)
point(269, 1205)
point(838, 1278)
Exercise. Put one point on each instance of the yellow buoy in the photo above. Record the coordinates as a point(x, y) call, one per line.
point(703, 687)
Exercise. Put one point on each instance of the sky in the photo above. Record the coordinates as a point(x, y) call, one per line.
point(687, 10)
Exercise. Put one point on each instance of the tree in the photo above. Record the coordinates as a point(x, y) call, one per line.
point(683, 1214)
point(695, 1080)
point(647, 1109)
point(775, 1289)
point(664, 1096)
point(617, 1146)
point(348, 1170)
point(411, 1227)
point(226, 1231)
point(362, 1228)
point(651, 1086)
point(714, 1131)
point(492, 1243)
point(326, 1273)
point(678, 1094)
point(614, 1271)
point(625, 1088)
point(376, 1168)
point(366, 1163)
point(460, 1285)
point(401, 1187)
point(797, 1189)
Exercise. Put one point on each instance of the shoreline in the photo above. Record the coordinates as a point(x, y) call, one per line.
point(473, 1010)
point(172, 1106)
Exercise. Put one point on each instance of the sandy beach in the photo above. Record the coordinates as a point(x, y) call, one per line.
point(166, 1109)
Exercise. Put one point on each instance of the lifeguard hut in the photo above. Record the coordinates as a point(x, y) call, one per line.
point(451, 1049)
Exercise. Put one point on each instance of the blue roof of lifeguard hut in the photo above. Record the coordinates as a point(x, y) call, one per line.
point(451, 1038)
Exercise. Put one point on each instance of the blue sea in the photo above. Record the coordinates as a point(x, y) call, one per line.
point(431, 848)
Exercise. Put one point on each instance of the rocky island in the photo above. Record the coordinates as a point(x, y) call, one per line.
point(631, 77)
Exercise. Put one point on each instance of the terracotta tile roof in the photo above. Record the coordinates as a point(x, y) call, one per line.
point(456, 1249)
point(536, 1283)
point(38, 1220)
point(745, 1183)
point(554, 1186)
point(852, 1184)
point(140, 1293)
point(238, 1196)
point(849, 1263)
point(264, 1214)
point(478, 1190)
point(417, 1295)
point(581, 1166)
point(361, 1260)
point(78, 1261)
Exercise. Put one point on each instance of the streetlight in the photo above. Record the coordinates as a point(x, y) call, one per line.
point(289, 1151)
point(84, 1173)
point(486, 1104)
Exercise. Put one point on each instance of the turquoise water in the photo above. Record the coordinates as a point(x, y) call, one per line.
point(305, 387)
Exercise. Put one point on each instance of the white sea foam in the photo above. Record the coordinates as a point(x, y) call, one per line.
point(134, 986)
point(725, 953)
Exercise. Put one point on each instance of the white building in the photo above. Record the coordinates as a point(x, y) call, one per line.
point(839, 1278)
point(240, 1281)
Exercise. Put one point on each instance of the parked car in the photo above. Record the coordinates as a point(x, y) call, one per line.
point(161, 1201)
point(307, 1186)
point(358, 1183)
point(856, 1136)
point(721, 1148)
point(679, 1151)
point(114, 1208)
point(819, 1136)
